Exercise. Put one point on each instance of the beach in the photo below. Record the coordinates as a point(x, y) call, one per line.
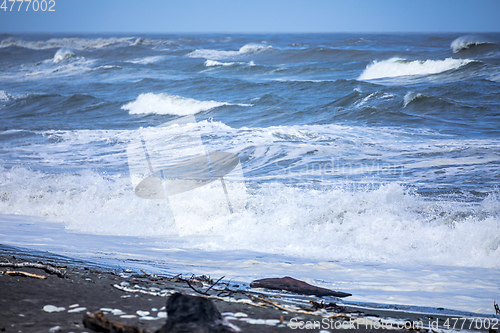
point(49, 302)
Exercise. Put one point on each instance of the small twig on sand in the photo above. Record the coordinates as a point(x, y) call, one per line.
point(26, 274)
point(46, 268)
point(263, 300)
point(198, 291)
point(213, 285)
point(228, 292)
point(326, 306)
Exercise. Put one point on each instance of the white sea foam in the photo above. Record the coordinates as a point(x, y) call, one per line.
point(222, 54)
point(374, 96)
point(150, 103)
point(147, 60)
point(396, 67)
point(338, 221)
point(5, 96)
point(214, 63)
point(384, 225)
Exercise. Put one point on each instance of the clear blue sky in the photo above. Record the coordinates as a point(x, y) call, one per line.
point(191, 16)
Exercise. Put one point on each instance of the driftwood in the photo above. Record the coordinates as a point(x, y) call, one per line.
point(206, 291)
point(326, 306)
point(26, 274)
point(99, 323)
point(269, 302)
point(46, 268)
point(296, 286)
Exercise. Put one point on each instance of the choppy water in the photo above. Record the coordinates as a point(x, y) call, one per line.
point(374, 154)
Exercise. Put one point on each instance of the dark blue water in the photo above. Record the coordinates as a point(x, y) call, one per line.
point(428, 87)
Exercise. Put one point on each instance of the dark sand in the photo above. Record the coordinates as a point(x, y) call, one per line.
point(22, 300)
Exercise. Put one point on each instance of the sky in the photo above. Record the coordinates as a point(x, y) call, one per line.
point(256, 16)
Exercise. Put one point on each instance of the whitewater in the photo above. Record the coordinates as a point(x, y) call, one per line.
point(363, 163)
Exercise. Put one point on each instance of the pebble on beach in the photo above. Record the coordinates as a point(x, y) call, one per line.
point(52, 308)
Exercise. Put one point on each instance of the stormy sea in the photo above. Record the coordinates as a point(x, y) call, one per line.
point(366, 163)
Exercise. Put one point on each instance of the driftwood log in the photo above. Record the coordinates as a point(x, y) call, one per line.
point(296, 286)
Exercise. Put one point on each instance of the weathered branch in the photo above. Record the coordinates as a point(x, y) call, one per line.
point(213, 285)
point(196, 290)
point(26, 274)
point(263, 300)
point(46, 268)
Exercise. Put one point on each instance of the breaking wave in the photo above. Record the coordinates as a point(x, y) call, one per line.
point(62, 55)
point(5, 96)
point(162, 103)
point(221, 54)
point(71, 43)
point(412, 97)
point(385, 225)
point(214, 63)
point(468, 42)
point(146, 60)
point(396, 67)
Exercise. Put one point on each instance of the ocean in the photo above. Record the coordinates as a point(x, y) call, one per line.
point(364, 163)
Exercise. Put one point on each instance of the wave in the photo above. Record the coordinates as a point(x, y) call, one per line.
point(5, 96)
point(389, 224)
point(221, 54)
point(71, 43)
point(146, 60)
point(413, 97)
point(215, 63)
point(63, 55)
point(162, 103)
point(396, 67)
point(468, 42)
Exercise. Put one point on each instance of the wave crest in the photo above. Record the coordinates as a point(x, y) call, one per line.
point(467, 42)
point(63, 55)
point(411, 97)
point(72, 43)
point(221, 54)
point(214, 63)
point(396, 67)
point(146, 60)
point(5, 96)
point(150, 103)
